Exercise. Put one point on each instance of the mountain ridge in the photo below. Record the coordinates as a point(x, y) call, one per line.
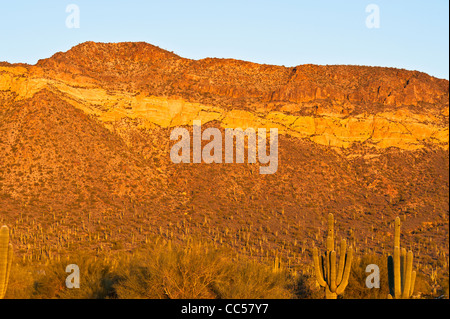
point(331, 105)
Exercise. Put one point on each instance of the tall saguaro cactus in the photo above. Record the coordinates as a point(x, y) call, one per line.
point(334, 278)
point(400, 273)
point(6, 253)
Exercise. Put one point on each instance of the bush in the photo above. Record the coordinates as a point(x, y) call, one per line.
point(49, 281)
point(197, 271)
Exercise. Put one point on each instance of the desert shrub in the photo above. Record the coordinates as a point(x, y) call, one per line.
point(163, 271)
point(21, 282)
point(305, 287)
point(48, 281)
point(197, 270)
point(251, 280)
point(97, 276)
point(444, 287)
point(357, 288)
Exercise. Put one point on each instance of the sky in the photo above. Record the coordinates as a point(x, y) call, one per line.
point(412, 34)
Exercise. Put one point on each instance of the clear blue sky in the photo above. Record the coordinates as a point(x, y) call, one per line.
point(413, 34)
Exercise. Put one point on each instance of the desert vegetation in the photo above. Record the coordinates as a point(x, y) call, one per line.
point(194, 268)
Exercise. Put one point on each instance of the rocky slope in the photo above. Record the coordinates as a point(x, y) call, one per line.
point(84, 153)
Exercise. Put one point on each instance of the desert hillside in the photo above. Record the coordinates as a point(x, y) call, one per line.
point(84, 154)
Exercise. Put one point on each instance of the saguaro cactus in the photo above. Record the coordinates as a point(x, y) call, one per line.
point(6, 253)
point(400, 273)
point(333, 278)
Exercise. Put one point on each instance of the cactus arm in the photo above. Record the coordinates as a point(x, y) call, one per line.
point(407, 284)
point(403, 267)
point(323, 267)
point(341, 261)
point(333, 271)
point(318, 268)
point(348, 265)
point(397, 273)
point(328, 268)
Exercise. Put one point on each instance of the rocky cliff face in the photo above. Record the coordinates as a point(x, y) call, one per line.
point(329, 105)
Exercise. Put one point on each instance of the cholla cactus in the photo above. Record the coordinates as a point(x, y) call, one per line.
point(6, 253)
point(334, 279)
point(401, 276)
